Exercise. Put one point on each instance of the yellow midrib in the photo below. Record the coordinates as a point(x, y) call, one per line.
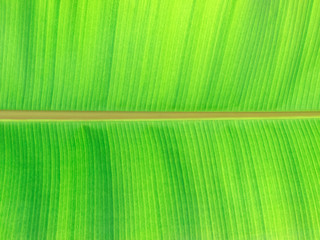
point(130, 115)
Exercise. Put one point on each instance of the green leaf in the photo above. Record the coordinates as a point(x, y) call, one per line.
point(223, 179)
point(160, 55)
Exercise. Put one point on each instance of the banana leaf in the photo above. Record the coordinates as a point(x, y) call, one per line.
point(213, 179)
point(160, 55)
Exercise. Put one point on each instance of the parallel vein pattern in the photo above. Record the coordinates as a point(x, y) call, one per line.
point(246, 179)
point(160, 55)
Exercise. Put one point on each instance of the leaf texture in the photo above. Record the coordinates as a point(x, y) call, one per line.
point(215, 179)
point(160, 55)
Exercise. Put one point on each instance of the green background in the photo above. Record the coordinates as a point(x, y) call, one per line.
point(223, 179)
point(160, 55)
point(206, 179)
